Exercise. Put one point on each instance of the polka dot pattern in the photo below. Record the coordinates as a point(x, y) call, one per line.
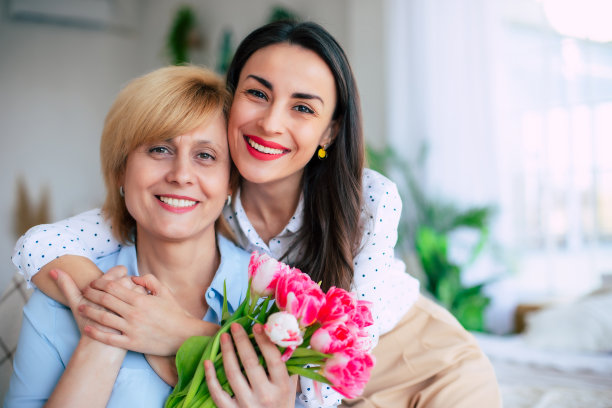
point(86, 234)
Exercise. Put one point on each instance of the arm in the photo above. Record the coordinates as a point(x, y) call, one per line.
point(93, 367)
point(89, 376)
point(379, 277)
point(68, 244)
point(82, 270)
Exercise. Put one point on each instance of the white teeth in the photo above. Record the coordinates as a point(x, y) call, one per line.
point(175, 202)
point(263, 149)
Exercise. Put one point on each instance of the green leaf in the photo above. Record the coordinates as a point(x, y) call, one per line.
point(187, 359)
point(304, 352)
point(308, 373)
point(225, 314)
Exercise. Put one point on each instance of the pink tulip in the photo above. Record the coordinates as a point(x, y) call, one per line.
point(264, 272)
point(299, 295)
point(363, 316)
point(282, 328)
point(340, 305)
point(334, 337)
point(349, 371)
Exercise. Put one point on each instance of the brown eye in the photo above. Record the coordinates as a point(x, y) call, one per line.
point(159, 149)
point(257, 93)
point(303, 109)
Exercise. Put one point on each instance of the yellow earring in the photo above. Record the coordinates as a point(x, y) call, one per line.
point(322, 153)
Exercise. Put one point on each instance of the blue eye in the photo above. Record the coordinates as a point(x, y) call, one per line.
point(257, 93)
point(303, 109)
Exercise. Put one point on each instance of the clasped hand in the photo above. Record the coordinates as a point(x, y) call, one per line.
point(150, 321)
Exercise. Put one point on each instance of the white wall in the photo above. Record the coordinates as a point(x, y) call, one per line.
point(57, 82)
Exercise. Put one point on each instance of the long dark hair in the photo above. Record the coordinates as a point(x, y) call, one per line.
point(331, 234)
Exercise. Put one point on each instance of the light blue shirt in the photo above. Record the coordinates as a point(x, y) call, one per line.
point(49, 336)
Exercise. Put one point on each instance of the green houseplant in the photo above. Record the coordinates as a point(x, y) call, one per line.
point(424, 232)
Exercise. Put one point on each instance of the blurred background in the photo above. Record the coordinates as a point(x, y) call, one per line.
point(494, 117)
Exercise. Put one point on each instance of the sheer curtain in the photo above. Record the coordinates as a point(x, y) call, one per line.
point(515, 115)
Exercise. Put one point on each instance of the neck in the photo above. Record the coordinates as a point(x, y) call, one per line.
point(270, 206)
point(187, 267)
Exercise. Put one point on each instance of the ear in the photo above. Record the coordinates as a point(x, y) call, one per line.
point(329, 136)
point(121, 179)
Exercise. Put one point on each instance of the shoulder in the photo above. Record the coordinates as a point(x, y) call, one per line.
point(231, 254)
point(108, 261)
point(379, 194)
point(375, 184)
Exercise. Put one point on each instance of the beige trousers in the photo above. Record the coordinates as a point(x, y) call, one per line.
point(429, 361)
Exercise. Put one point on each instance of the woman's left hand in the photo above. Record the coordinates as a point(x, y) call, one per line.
point(274, 388)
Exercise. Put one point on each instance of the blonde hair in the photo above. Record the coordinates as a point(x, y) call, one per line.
point(163, 104)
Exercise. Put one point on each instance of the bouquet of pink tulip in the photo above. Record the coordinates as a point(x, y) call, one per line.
point(321, 335)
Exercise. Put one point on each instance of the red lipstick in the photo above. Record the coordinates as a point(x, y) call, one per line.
point(265, 143)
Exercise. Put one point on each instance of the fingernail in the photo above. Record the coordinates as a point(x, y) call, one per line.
point(258, 328)
point(53, 274)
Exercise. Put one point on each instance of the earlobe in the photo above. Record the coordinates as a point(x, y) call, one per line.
point(330, 134)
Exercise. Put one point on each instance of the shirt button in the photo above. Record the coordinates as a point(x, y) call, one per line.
point(210, 294)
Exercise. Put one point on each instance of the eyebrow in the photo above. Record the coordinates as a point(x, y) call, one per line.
point(297, 95)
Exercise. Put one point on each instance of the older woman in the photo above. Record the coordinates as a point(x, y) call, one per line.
point(166, 166)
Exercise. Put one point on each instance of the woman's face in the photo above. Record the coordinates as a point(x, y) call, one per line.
point(282, 111)
point(175, 189)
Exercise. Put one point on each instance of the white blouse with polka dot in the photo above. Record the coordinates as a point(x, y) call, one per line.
point(379, 277)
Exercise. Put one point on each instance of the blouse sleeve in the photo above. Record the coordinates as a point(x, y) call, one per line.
point(330, 398)
point(380, 277)
point(87, 234)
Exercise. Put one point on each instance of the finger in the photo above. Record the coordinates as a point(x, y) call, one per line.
point(221, 398)
point(103, 318)
point(117, 289)
point(151, 284)
point(107, 301)
point(112, 339)
point(234, 375)
point(115, 272)
point(250, 361)
point(71, 291)
point(276, 367)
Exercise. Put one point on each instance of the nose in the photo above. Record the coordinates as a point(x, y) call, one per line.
point(272, 120)
point(181, 170)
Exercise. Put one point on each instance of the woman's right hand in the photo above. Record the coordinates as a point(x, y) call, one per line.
point(150, 322)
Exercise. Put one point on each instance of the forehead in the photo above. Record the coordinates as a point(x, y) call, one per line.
point(292, 66)
point(211, 124)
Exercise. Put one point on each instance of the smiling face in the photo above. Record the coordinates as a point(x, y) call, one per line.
point(281, 113)
point(175, 189)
